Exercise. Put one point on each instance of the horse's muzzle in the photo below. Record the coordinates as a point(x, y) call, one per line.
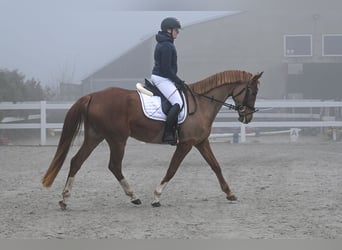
point(245, 118)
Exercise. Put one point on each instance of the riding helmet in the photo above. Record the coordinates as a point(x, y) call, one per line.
point(170, 23)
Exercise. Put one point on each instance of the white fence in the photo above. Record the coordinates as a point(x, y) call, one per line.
point(42, 106)
point(276, 114)
point(271, 111)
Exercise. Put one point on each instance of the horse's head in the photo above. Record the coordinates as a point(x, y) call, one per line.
point(244, 96)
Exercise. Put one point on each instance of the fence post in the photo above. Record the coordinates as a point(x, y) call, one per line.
point(42, 123)
point(243, 133)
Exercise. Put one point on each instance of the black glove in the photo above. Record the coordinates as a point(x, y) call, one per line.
point(180, 85)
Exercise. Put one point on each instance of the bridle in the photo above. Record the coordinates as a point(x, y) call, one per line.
point(241, 108)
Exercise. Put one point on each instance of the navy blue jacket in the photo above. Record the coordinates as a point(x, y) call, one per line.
point(165, 58)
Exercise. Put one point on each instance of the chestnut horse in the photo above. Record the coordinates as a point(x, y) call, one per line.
point(115, 114)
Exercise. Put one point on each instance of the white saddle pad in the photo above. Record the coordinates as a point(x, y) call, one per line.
point(151, 106)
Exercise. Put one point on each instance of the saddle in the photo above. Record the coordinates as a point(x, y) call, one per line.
point(155, 105)
point(154, 91)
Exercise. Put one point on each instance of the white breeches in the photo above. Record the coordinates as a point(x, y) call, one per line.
point(168, 88)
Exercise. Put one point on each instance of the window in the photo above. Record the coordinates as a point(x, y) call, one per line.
point(297, 45)
point(332, 45)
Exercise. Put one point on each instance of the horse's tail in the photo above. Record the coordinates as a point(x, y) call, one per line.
point(72, 123)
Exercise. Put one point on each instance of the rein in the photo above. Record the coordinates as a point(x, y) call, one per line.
point(212, 99)
point(223, 103)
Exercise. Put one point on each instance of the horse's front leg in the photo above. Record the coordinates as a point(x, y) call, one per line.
point(205, 150)
point(181, 151)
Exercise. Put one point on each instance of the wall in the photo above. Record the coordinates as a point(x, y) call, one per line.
point(251, 40)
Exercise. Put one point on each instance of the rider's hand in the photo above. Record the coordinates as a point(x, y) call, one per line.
point(181, 86)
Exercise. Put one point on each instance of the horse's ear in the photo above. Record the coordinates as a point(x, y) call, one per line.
point(257, 76)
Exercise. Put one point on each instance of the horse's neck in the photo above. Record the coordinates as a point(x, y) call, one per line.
point(220, 94)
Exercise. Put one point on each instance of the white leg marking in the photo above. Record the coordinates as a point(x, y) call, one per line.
point(127, 189)
point(157, 193)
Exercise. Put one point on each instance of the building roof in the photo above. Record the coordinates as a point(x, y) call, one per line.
point(127, 61)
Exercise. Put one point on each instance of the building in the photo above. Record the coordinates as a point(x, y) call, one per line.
point(298, 45)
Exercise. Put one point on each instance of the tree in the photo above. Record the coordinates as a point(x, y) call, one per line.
point(14, 87)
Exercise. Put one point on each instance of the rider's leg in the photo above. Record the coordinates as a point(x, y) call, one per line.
point(171, 124)
point(170, 91)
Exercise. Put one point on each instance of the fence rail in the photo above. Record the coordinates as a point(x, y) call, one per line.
point(273, 114)
point(42, 106)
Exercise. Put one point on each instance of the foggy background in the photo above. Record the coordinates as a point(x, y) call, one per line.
point(69, 41)
point(110, 43)
point(55, 41)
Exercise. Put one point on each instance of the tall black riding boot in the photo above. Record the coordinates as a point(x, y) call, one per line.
point(170, 125)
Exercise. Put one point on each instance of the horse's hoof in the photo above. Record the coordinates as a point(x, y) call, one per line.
point(136, 202)
point(156, 204)
point(232, 198)
point(62, 205)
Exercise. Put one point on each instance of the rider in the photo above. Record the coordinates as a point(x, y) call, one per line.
point(164, 74)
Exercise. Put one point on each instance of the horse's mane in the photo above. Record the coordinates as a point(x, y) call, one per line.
point(225, 77)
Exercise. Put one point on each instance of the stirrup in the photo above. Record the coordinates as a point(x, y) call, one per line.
point(170, 138)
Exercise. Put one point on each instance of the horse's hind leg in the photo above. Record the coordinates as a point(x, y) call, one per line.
point(115, 166)
point(87, 147)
